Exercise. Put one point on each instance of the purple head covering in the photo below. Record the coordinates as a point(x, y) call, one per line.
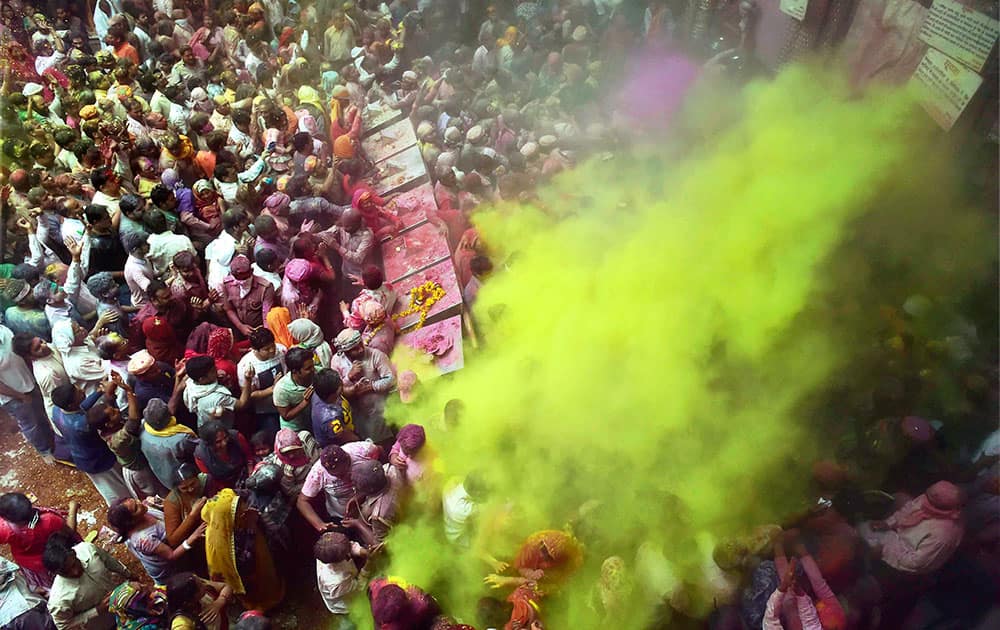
point(297, 269)
point(171, 179)
point(411, 437)
point(277, 202)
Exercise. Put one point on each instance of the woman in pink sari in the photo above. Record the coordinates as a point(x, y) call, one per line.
point(207, 42)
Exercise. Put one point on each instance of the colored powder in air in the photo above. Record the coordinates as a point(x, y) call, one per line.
point(661, 341)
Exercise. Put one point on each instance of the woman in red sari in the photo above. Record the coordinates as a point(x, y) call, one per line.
point(545, 560)
point(372, 209)
point(26, 529)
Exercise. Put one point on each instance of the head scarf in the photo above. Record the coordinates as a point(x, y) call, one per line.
point(562, 553)
point(307, 333)
point(220, 549)
point(307, 123)
point(278, 319)
point(229, 470)
point(339, 93)
point(203, 186)
point(171, 179)
point(220, 343)
point(197, 342)
point(343, 147)
point(360, 196)
point(347, 339)
point(289, 449)
point(286, 34)
point(136, 609)
point(372, 312)
point(328, 80)
point(942, 501)
point(509, 37)
point(307, 94)
point(277, 203)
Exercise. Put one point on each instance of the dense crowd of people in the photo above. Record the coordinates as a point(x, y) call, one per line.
point(195, 317)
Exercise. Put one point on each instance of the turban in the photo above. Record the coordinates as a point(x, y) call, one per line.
point(474, 134)
point(529, 150)
point(277, 202)
point(310, 164)
point(297, 269)
point(547, 142)
point(372, 312)
point(410, 75)
point(453, 134)
point(88, 112)
point(579, 33)
point(282, 183)
point(30, 89)
point(347, 339)
point(309, 95)
point(425, 129)
point(341, 92)
point(343, 147)
point(141, 362)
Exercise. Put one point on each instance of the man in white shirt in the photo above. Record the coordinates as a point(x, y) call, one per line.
point(337, 574)
point(46, 56)
point(84, 577)
point(109, 191)
point(460, 506)
point(20, 398)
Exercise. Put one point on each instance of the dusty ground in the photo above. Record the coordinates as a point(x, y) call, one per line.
point(55, 486)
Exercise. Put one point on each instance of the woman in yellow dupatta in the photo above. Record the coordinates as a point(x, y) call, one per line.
point(278, 319)
point(237, 552)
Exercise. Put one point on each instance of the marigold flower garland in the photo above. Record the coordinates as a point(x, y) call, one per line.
point(422, 298)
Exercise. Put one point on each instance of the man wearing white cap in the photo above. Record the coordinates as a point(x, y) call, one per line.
point(367, 380)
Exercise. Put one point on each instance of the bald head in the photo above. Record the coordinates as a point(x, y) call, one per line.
point(20, 180)
point(351, 220)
